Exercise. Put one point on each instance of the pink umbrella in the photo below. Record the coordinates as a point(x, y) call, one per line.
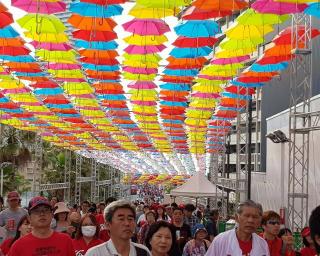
point(146, 27)
point(135, 70)
point(225, 61)
point(224, 78)
point(269, 6)
point(16, 90)
point(51, 46)
point(136, 49)
point(37, 6)
point(142, 85)
point(206, 95)
point(33, 103)
point(144, 103)
point(63, 66)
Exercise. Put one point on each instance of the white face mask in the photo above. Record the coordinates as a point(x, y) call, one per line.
point(88, 231)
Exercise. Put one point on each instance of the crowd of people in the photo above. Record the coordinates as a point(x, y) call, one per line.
point(118, 227)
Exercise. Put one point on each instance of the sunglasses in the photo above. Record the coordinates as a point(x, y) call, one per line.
point(273, 222)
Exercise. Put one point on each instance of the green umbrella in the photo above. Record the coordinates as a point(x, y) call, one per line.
point(251, 17)
point(41, 23)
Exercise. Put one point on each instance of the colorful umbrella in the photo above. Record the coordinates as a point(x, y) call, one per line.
point(93, 10)
point(91, 23)
point(5, 19)
point(193, 13)
point(221, 5)
point(187, 42)
point(198, 28)
point(252, 17)
point(270, 6)
point(36, 6)
point(146, 27)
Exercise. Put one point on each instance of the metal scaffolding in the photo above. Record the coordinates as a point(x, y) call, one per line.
point(67, 176)
point(77, 192)
point(36, 180)
point(300, 120)
point(94, 190)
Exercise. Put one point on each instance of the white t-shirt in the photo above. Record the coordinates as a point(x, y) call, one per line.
point(108, 249)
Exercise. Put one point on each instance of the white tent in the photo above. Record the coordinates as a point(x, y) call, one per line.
point(197, 186)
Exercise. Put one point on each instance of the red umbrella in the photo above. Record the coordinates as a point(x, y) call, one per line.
point(274, 59)
point(178, 99)
point(184, 42)
point(248, 79)
point(193, 13)
point(5, 19)
point(14, 51)
point(48, 84)
point(172, 117)
point(56, 100)
point(172, 111)
point(99, 61)
point(90, 35)
point(285, 36)
point(240, 90)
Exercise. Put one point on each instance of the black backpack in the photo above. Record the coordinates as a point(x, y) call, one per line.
point(140, 251)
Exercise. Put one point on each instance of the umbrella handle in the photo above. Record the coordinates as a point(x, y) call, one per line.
point(38, 23)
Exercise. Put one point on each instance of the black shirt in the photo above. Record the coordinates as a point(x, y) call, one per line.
point(185, 236)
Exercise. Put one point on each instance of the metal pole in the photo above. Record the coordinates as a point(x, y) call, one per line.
point(249, 147)
point(282, 174)
point(1, 181)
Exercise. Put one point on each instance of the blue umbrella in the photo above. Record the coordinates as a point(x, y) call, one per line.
point(110, 45)
point(17, 110)
point(8, 32)
point(111, 97)
point(235, 82)
point(198, 28)
point(61, 106)
point(269, 67)
point(313, 10)
point(236, 96)
point(173, 121)
point(4, 100)
point(37, 74)
point(95, 10)
point(173, 103)
point(181, 72)
point(100, 67)
point(20, 58)
point(175, 87)
point(190, 52)
point(68, 115)
point(178, 137)
point(48, 91)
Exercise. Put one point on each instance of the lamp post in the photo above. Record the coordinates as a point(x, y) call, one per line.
point(2, 166)
point(279, 137)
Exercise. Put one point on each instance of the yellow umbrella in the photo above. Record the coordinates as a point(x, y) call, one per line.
point(89, 103)
point(233, 53)
point(48, 37)
point(41, 23)
point(198, 103)
point(143, 57)
point(138, 64)
point(136, 39)
point(204, 114)
point(57, 56)
point(202, 87)
point(92, 113)
point(248, 31)
point(66, 73)
point(78, 88)
point(194, 121)
point(163, 3)
point(142, 12)
point(207, 71)
point(141, 77)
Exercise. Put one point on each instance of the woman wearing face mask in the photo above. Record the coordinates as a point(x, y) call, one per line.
point(87, 235)
point(161, 239)
point(23, 229)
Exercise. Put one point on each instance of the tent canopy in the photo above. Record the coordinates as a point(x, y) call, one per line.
point(197, 186)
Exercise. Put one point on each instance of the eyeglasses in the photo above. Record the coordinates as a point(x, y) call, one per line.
point(273, 222)
point(39, 211)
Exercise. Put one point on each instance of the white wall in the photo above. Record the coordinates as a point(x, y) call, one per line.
point(268, 192)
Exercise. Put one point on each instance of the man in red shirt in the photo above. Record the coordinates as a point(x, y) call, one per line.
point(271, 226)
point(42, 241)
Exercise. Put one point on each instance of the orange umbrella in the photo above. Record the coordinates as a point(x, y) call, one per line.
point(91, 23)
point(101, 54)
point(229, 102)
point(15, 65)
point(177, 79)
point(34, 79)
point(108, 86)
point(172, 117)
point(221, 5)
point(197, 62)
point(279, 50)
point(105, 75)
point(258, 74)
point(11, 42)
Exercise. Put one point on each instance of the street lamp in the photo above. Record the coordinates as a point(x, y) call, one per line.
point(280, 137)
point(2, 166)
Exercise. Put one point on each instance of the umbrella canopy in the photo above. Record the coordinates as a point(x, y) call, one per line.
point(91, 23)
point(40, 23)
point(252, 17)
point(146, 27)
point(221, 5)
point(270, 6)
point(186, 42)
point(5, 19)
point(196, 28)
point(194, 13)
point(94, 10)
point(36, 6)
point(240, 32)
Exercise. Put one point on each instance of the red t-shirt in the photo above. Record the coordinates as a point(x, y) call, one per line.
point(58, 244)
point(81, 247)
point(307, 251)
point(245, 247)
point(100, 219)
point(5, 246)
point(104, 235)
point(275, 246)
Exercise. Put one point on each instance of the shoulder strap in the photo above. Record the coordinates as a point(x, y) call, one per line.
point(205, 245)
point(140, 251)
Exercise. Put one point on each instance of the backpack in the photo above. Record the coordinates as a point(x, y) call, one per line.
point(140, 251)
